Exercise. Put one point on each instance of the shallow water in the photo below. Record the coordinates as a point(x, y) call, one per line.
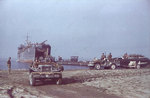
point(19, 65)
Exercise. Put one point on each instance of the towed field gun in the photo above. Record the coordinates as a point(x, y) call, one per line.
point(134, 61)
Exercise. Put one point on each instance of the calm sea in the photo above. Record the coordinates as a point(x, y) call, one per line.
point(25, 66)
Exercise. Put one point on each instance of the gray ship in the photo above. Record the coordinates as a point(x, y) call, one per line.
point(32, 51)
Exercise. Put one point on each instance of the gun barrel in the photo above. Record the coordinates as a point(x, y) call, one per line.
point(43, 42)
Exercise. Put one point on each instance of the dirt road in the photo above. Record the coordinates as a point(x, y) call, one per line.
point(126, 83)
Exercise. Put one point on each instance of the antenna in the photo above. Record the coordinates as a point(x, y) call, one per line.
point(27, 40)
point(105, 53)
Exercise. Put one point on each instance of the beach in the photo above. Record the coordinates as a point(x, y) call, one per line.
point(120, 83)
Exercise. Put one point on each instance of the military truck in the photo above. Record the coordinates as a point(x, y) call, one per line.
point(45, 72)
point(99, 64)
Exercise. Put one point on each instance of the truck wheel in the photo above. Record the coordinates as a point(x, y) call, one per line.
point(97, 66)
point(138, 66)
point(32, 80)
point(59, 82)
point(113, 66)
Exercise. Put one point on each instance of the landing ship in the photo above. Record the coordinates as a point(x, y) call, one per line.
point(32, 51)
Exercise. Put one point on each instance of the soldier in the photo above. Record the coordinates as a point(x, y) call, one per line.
point(103, 56)
point(35, 64)
point(9, 65)
point(109, 57)
point(125, 56)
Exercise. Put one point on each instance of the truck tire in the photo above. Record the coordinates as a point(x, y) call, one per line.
point(59, 81)
point(32, 80)
point(97, 66)
point(113, 66)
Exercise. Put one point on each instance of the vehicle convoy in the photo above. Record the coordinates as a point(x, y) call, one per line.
point(133, 61)
point(99, 64)
point(45, 72)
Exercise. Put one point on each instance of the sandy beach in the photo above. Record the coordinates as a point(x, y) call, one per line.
point(120, 83)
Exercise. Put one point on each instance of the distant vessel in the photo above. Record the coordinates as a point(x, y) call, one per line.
point(72, 61)
point(31, 51)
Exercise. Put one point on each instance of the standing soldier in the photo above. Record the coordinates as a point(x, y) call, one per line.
point(9, 65)
point(109, 57)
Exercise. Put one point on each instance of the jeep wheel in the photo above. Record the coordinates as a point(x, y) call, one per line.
point(32, 80)
point(138, 66)
point(59, 82)
point(97, 66)
point(113, 66)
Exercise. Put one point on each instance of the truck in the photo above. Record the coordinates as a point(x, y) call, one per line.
point(45, 72)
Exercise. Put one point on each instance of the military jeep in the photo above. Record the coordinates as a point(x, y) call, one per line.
point(99, 64)
point(45, 72)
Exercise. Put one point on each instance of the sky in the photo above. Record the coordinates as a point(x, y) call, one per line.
point(84, 28)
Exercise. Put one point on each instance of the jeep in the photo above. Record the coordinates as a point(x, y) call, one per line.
point(99, 64)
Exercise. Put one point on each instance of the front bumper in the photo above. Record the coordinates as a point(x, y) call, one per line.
point(47, 76)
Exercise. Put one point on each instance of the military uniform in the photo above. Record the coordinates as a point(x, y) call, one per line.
point(109, 57)
point(103, 56)
point(125, 56)
point(9, 65)
point(36, 63)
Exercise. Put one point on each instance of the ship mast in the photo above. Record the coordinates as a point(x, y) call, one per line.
point(27, 40)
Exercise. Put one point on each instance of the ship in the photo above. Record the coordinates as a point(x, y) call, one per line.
point(29, 52)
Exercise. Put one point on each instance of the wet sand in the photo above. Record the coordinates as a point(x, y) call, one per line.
point(121, 83)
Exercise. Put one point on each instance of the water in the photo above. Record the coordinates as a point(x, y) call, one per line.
point(25, 66)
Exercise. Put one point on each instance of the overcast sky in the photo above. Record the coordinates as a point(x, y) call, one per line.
point(76, 27)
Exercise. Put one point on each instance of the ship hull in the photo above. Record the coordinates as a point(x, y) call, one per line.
point(25, 61)
point(30, 52)
point(27, 56)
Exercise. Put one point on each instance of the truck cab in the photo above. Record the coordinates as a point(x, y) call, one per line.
point(45, 72)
